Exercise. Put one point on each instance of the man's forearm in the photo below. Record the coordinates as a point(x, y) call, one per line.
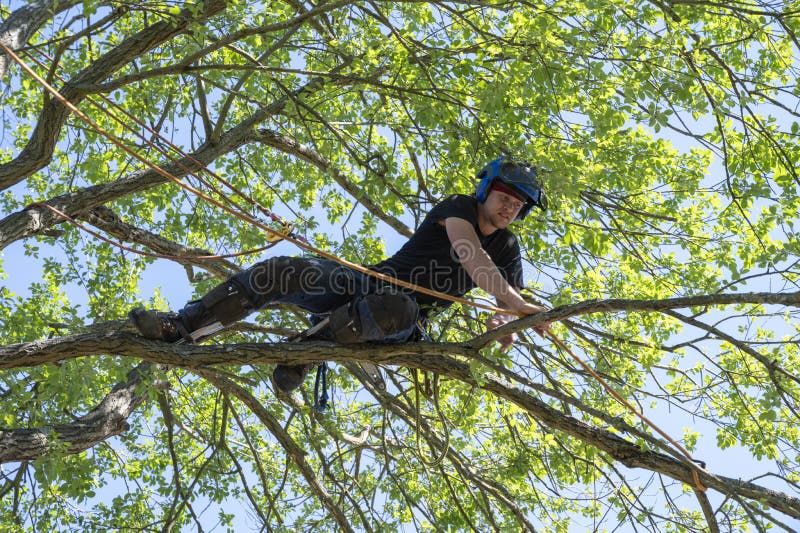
point(477, 263)
point(482, 270)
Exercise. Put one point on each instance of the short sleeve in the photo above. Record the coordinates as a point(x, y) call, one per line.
point(458, 206)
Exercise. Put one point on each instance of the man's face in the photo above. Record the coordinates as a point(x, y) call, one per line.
point(500, 209)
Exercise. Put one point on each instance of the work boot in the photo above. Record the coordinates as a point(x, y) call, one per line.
point(199, 319)
point(157, 325)
point(287, 378)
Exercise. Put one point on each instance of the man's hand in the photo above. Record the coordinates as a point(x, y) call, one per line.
point(523, 308)
point(497, 320)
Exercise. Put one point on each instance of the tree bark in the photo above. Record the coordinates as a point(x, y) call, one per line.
point(109, 418)
point(22, 24)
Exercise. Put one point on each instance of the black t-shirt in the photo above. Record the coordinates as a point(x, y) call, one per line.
point(428, 259)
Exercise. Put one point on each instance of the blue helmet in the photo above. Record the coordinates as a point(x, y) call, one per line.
point(518, 175)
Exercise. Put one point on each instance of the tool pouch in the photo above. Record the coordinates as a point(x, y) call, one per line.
point(378, 317)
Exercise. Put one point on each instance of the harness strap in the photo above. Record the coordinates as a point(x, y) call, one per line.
point(321, 401)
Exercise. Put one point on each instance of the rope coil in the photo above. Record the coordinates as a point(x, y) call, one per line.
point(437, 460)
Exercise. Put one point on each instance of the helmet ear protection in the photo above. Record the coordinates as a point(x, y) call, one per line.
point(520, 176)
point(486, 177)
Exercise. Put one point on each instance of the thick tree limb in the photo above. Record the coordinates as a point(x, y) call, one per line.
point(109, 418)
point(195, 356)
point(52, 350)
point(19, 27)
point(624, 305)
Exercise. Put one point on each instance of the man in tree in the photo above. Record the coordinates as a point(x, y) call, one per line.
point(463, 243)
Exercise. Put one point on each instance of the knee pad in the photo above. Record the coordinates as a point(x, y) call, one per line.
point(227, 302)
point(379, 317)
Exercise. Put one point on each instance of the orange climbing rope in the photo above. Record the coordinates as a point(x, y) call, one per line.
point(239, 214)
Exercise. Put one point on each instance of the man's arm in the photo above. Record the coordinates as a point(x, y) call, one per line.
point(481, 269)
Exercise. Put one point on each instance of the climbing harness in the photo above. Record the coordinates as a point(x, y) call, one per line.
point(321, 401)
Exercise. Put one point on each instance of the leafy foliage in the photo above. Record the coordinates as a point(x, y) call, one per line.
point(668, 131)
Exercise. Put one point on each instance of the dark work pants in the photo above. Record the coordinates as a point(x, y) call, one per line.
point(319, 286)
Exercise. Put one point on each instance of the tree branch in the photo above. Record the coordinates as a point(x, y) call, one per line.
point(39, 149)
point(33, 220)
point(109, 418)
point(624, 305)
point(434, 357)
point(291, 146)
point(22, 24)
point(105, 219)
